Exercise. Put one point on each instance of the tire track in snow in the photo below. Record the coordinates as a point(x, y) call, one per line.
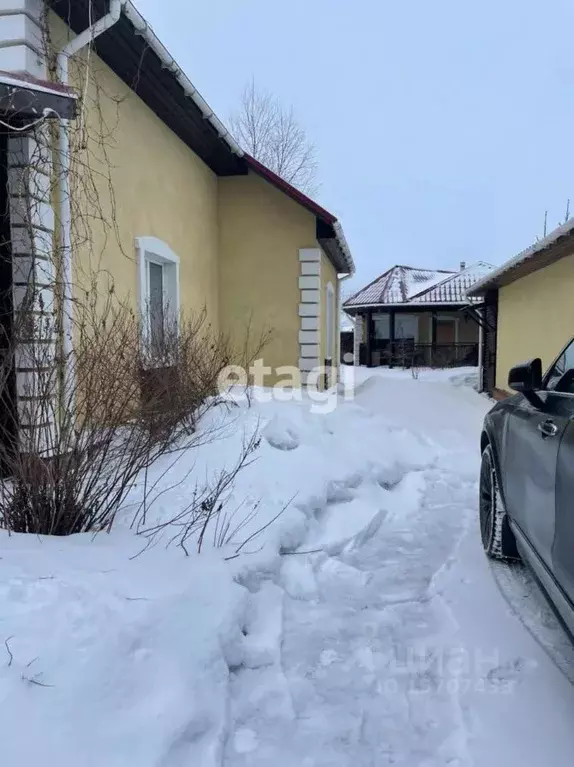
point(523, 595)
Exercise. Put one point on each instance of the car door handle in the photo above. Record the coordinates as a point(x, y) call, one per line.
point(548, 428)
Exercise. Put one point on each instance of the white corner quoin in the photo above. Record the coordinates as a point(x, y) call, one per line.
point(309, 283)
point(22, 38)
point(151, 250)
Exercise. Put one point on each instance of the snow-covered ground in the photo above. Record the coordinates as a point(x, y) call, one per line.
point(364, 627)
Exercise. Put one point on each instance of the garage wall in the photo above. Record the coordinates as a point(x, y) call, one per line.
point(535, 317)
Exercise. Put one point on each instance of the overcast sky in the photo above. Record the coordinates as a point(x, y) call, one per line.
point(444, 129)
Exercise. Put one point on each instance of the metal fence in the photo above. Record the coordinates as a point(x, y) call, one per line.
point(407, 354)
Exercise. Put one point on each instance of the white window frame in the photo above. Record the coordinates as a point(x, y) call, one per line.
point(151, 250)
point(329, 321)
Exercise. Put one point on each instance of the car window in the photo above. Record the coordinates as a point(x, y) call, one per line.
point(563, 364)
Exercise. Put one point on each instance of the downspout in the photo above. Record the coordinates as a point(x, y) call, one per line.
point(480, 354)
point(340, 280)
point(65, 220)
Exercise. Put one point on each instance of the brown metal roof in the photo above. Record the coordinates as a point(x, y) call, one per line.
point(396, 286)
point(24, 80)
point(406, 285)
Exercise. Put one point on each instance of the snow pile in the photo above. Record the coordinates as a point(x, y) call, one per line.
point(291, 652)
point(117, 656)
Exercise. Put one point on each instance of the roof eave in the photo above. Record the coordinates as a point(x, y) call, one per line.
point(134, 53)
point(558, 244)
point(409, 305)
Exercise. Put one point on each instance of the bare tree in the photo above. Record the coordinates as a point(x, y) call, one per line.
point(272, 135)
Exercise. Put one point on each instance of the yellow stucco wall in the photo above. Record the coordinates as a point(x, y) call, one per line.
point(135, 178)
point(260, 233)
point(238, 238)
point(329, 275)
point(535, 317)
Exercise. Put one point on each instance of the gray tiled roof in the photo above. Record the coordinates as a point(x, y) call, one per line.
point(453, 289)
point(406, 285)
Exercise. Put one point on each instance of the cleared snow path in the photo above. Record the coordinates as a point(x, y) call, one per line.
point(364, 627)
point(392, 645)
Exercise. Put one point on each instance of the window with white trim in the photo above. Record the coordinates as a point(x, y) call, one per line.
point(159, 300)
point(330, 321)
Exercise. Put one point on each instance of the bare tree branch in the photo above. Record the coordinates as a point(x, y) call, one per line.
point(273, 136)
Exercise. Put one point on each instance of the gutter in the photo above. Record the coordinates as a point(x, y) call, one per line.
point(490, 281)
point(414, 307)
point(344, 245)
point(144, 29)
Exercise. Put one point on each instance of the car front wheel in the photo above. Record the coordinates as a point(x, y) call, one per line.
point(497, 537)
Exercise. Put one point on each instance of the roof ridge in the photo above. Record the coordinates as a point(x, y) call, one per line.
point(370, 284)
point(423, 269)
point(451, 276)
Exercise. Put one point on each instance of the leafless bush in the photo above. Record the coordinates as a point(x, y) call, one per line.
point(90, 423)
point(205, 511)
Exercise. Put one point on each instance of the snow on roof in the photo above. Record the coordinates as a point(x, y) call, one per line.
point(402, 285)
point(397, 285)
point(453, 290)
point(491, 280)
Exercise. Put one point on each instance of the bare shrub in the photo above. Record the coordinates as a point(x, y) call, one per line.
point(193, 521)
point(85, 430)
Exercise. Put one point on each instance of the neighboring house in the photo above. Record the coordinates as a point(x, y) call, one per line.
point(150, 191)
point(528, 307)
point(411, 316)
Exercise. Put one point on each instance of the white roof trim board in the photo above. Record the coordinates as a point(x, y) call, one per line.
point(142, 27)
point(525, 255)
point(403, 286)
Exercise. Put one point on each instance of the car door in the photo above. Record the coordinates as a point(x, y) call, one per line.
point(534, 435)
point(563, 549)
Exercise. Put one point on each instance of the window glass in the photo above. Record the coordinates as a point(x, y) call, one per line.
point(406, 327)
point(563, 364)
point(381, 326)
point(156, 314)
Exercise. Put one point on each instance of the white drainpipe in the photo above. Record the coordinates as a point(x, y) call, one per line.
point(480, 350)
point(63, 59)
point(79, 42)
point(339, 310)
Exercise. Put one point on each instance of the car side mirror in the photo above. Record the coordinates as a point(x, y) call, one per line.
point(526, 378)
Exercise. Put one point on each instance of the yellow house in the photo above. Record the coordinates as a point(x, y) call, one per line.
point(147, 190)
point(528, 307)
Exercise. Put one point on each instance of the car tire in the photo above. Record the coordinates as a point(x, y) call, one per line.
point(497, 537)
